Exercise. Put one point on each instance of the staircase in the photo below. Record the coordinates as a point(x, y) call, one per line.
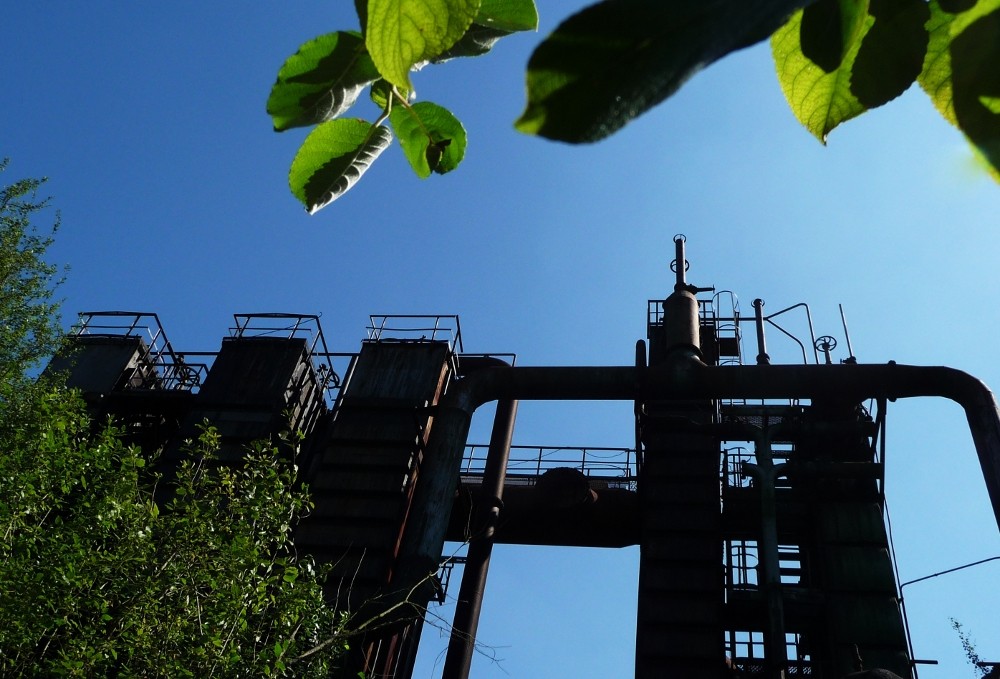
point(363, 477)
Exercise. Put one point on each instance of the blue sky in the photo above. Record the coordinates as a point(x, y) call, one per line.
point(149, 120)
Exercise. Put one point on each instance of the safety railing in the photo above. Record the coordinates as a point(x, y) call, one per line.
point(329, 367)
point(160, 366)
point(615, 467)
point(416, 328)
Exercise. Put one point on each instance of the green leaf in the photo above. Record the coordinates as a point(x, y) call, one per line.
point(617, 59)
point(320, 81)
point(824, 35)
point(992, 104)
point(961, 73)
point(508, 15)
point(496, 19)
point(403, 33)
point(333, 158)
point(820, 95)
point(892, 52)
point(477, 41)
point(361, 8)
point(432, 138)
point(381, 92)
point(838, 58)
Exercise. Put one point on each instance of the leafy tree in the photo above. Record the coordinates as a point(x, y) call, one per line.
point(616, 59)
point(100, 578)
point(29, 320)
point(98, 581)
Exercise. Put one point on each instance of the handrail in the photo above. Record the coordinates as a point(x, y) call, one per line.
point(621, 462)
point(453, 335)
point(172, 371)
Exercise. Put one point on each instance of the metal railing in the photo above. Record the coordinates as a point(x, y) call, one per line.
point(416, 328)
point(167, 368)
point(616, 467)
point(298, 326)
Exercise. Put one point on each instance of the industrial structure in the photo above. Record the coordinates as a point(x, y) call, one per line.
point(755, 491)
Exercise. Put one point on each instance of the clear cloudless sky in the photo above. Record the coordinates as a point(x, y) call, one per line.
point(149, 120)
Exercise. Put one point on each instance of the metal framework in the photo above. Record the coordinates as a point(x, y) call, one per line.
point(166, 369)
point(728, 482)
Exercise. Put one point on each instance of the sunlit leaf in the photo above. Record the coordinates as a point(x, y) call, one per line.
point(403, 33)
point(508, 15)
point(333, 158)
point(432, 138)
point(961, 73)
point(820, 96)
point(381, 92)
point(991, 104)
point(838, 58)
point(935, 78)
point(617, 59)
point(320, 81)
point(477, 41)
point(892, 52)
point(947, 21)
point(825, 31)
point(496, 19)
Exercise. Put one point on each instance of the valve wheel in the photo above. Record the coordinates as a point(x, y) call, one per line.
point(826, 343)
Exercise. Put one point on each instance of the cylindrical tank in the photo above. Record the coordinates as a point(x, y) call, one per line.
point(680, 322)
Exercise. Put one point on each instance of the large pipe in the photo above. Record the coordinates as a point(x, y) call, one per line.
point(486, 507)
point(413, 581)
point(680, 323)
point(684, 378)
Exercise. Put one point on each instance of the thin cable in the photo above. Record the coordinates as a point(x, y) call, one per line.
point(950, 570)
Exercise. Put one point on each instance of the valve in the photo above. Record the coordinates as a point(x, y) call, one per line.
point(826, 344)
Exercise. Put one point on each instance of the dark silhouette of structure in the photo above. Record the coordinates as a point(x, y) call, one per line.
point(754, 491)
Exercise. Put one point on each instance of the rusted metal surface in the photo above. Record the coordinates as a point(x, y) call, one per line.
point(255, 389)
point(363, 480)
point(685, 378)
point(101, 365)
point(385, 481)
point(486, 513)
point(690, 379)
point(610, 519)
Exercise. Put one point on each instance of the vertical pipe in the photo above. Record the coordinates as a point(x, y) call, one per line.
point(825, 346)
point(639, 407)
point(680, 263)
point(762, 357)
point(462, 645)
point(765, 473)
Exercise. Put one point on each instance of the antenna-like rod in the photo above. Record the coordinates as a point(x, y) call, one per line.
point(847, 336)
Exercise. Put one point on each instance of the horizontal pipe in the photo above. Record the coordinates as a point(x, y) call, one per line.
point(691, 379)
point(610, 522)
point(682, 378)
